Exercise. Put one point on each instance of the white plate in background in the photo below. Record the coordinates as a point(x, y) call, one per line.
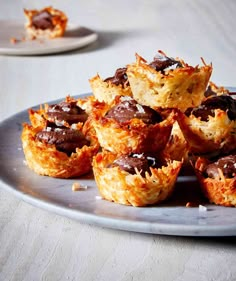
point(75, 37)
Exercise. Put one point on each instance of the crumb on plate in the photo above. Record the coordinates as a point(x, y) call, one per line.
point(202, 208)
point(77, 186)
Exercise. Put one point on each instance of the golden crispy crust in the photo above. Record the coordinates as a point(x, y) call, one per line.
point(132, 136)
point(37, 117)
point(93, 106)
point(180, 88)
point(45, 159)
point(220, 191)
point(59, 20)
point(130, 189)
point(219, 90)
point(106, 91)
point(207, 136)
point(177, 147)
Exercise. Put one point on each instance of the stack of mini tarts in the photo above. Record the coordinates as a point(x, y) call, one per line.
point(106, 90)
point(132, 138)
point(56, 144)
point(45, 23)
point(168, 82)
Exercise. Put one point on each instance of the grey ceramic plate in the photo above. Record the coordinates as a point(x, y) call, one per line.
point(56, 195)
point(74, 38)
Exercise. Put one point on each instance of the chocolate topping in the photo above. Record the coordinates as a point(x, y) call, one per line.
point(66, 111)
point(141, 162)
point(162, 63)
point(129, 109)
point(42, 20)
point(224, 102)
point(66, 140)
point(226, 164)
point(120, 77)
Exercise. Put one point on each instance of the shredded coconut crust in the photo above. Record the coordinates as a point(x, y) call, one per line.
point(208, 136)
point(106, 91)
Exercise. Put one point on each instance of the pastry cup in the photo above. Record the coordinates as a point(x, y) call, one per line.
point(106, 91)
point(133, 135)
point(221, 190)
point(208, 136)
point(121, 187)
point(179, 88)
point(45, 159)
point(59, 20)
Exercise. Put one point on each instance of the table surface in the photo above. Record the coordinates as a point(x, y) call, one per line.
point(39, 245)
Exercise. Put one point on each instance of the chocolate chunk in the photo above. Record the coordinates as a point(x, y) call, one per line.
point(65, 140)
point(161, 63)
point(141, 162)
point(66, 111)
point(226, 164)
point(224, 102)
point(129, 109)
point(120, 77)
point(42, 21)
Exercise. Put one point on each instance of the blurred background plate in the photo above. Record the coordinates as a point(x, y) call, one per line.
point(12, 40)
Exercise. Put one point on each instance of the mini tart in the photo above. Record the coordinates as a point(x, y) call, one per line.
point(45, 159)
point(59, 21)
point(208, 136)
point(107, 91)
point(221, 190)
point(121, 187)
point(179, 88)
point(133, 135)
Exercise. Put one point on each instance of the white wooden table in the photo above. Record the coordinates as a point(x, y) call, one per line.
point(38, 245)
